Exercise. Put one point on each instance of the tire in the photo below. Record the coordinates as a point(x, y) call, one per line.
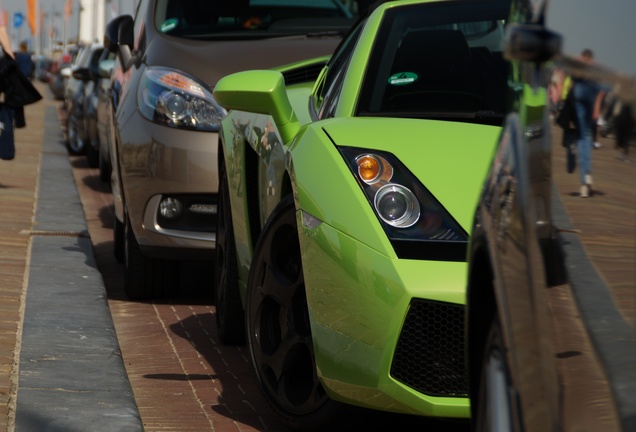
point(118, 240)
point(495, 408)
point(104, 169)
point(74, 144)
point(230, 318)
point(144, 277)
point(283, 356)
point(92, 155)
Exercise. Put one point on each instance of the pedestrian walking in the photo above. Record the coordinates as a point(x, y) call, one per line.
point(587, 96)
point(16, 91)
point(24, 60)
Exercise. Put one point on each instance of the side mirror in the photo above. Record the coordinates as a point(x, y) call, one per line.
point(533, 43)
point(259, 91)
point(119, 38)
point(82, 74)
point(105, 67)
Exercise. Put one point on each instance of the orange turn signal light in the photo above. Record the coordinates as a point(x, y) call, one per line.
point(369, 168)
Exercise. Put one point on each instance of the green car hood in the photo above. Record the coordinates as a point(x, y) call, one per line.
point(450, 159)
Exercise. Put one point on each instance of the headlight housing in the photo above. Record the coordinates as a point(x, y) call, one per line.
point(175, 99)
point(416, 223)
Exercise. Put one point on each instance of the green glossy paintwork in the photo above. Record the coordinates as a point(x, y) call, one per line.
point(259, 92)
point(358, 299)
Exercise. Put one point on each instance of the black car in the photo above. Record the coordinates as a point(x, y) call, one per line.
point(548, 346)
point(83, 73)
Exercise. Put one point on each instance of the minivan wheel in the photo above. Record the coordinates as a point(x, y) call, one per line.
point(230, 318)
point(278, 329)
point(118, 240)
point(104, 169)
point(92, 155)
point(145, 277)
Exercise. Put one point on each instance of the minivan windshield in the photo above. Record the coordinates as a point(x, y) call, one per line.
point(207, 19)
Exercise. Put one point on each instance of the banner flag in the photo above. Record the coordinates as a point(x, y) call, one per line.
point(32, 16)
point(68, 9)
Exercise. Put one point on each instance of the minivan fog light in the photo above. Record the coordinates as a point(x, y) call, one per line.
point(170, 208)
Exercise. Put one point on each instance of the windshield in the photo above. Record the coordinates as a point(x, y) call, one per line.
point(207, 19)
point(438, 60)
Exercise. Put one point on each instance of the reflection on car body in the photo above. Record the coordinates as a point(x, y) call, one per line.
point(165, 120)
point(548, 349)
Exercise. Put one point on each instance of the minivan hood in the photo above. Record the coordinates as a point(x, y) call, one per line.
point(209, 61)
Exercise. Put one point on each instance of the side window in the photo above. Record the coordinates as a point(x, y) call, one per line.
point(329, 92)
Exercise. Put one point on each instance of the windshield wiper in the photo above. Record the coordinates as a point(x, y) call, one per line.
point(328, 33)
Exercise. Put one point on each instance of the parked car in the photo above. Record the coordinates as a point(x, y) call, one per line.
point(83, 75)
point(345, 209)
point(531, 287)
point(42, 67)
point(57, 81)
point(59, 73)
point(165, 121)
point(104, 112)
point(96, 93)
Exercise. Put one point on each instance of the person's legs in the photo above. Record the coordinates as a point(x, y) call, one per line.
point(583, 104)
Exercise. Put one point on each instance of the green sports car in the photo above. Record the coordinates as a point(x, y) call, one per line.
point(345, 208)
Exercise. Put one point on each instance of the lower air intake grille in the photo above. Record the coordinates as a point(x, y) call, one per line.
point(430, 352)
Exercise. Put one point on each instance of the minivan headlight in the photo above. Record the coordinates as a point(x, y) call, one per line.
point(173, 98)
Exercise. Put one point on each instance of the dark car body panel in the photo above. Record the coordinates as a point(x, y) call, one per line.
point(570, 353)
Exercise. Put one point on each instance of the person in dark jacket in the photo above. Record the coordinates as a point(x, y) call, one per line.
point(24, 60)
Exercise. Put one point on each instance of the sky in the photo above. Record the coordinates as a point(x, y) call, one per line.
point(607, 27)
point(54, 16)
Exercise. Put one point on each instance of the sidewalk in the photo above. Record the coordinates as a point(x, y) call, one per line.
point(56, 332)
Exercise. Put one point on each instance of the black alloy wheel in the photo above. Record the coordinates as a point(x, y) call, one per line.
point(278, 328)
point(74, 143)
point(230, 318)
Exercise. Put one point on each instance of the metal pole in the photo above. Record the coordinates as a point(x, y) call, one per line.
point(36, 36)
point(79, 21)
point(64, 19)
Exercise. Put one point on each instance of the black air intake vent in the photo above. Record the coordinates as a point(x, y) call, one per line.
point(301, 75)
point(429, 356)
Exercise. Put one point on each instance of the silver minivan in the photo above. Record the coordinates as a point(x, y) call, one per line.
point(165, 122)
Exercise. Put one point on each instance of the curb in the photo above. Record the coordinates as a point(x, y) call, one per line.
point(72, 375)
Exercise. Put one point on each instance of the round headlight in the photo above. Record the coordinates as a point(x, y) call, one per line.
point(174, 105)
point(397, 205)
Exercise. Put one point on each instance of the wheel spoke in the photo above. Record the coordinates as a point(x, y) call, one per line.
point(278, 318)
point(291, 375)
